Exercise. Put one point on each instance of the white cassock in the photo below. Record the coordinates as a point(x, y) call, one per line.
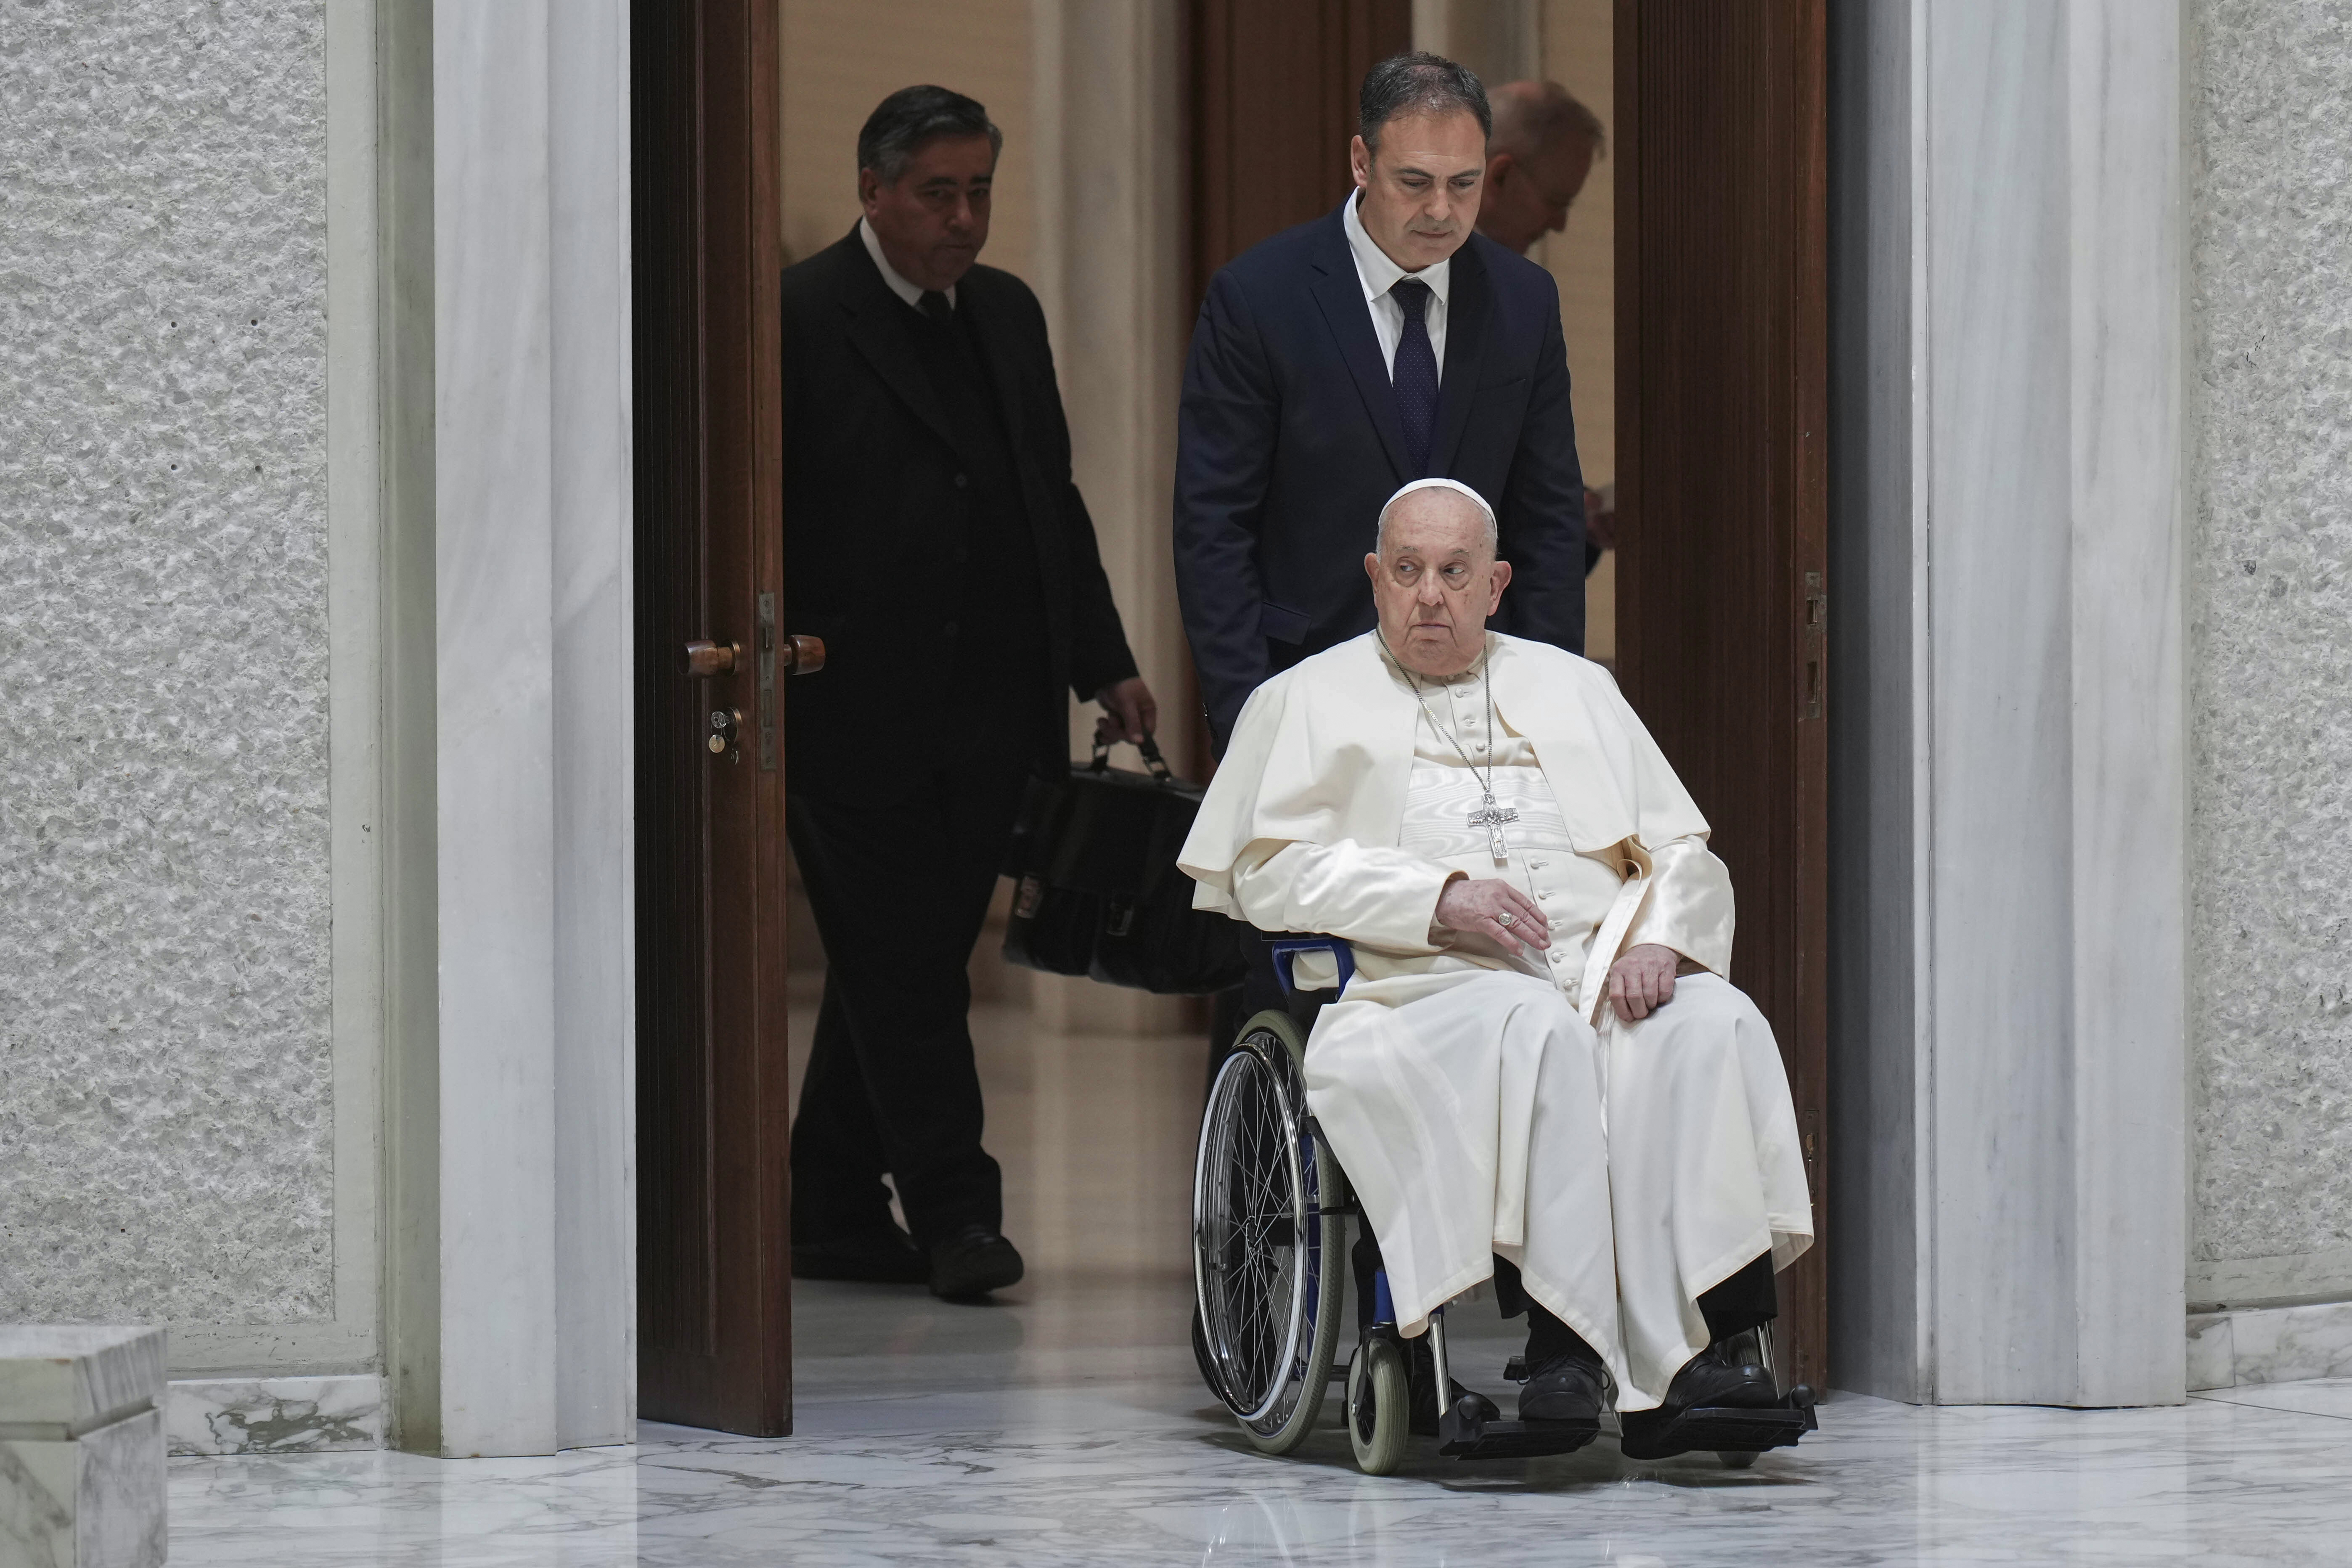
point(1483, 1103)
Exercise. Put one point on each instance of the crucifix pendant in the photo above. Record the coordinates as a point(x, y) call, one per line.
point(1491, 817)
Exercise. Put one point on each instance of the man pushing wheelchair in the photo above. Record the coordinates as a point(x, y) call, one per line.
point(1537, 1058)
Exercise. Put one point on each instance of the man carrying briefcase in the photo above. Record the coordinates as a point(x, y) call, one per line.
point(933, 538)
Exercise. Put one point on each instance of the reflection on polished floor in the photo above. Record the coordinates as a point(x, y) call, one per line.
point(1065, 1425)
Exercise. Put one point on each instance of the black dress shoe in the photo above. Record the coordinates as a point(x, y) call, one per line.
point(1570, 1387)
point(971, 1263)
point(1704, 1405)
point(1727, 1375)
point(1421, 1377)
point(884, 1257)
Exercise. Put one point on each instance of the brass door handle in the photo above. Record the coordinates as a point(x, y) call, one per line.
point(705, 659)
point(803, 655)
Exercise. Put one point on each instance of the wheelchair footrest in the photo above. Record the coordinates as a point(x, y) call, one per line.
point(1463, 1433)
point(1722, 1429)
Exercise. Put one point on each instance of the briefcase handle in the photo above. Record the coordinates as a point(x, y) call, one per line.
point(1151, 759)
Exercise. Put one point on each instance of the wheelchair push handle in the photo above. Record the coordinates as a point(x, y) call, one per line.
point(1286, 948)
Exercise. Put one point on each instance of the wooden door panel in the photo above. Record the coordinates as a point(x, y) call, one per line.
point(1722, 594)
point(1272, 88)
point(1270, 91)
point(714, 1305)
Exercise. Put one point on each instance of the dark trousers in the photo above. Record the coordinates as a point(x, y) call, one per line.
point(899, 877)
point(1259, 990)
point(1747, 1299)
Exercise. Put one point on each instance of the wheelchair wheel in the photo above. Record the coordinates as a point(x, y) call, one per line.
point(1270, 1243)
point(1378, 1416)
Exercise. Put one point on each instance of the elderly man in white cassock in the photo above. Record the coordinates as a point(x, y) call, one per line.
point(1539, 1058)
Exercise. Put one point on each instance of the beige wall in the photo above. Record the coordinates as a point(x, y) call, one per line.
point(1583, 256)
point(843, 57)
point(1566, 41)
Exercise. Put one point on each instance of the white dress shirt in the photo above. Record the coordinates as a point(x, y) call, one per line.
point(1378, 274)
point(914, 296)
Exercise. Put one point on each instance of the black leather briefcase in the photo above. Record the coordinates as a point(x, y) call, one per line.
point(1095, 887)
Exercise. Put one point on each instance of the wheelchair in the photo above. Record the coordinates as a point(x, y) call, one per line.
point(1270, 1264)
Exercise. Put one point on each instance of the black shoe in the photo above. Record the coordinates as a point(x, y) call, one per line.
point(971, 1263)
point(1728, 1374)
point(1568, 1387)
point(1723, 1399)
point(1421, 1378)
point(884, 1257)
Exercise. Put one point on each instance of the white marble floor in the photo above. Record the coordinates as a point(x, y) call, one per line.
point(1065, 1425)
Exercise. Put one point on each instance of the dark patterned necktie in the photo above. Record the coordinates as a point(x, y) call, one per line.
point(1415, 375)
point(934, 305)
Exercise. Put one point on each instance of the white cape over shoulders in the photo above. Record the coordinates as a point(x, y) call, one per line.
point(1323, 753)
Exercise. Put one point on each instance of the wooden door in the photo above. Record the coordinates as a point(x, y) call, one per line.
point(1722, 491)
point(713, 1245)
point(1271, 91)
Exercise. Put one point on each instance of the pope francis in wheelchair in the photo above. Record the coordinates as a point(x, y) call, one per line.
point(1533, 1072)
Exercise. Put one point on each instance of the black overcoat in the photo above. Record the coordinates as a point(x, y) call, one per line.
point(870, 466)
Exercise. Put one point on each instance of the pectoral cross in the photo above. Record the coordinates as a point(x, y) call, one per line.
point(1491, 817)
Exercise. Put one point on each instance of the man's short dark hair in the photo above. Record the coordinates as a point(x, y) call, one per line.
point(1419, 83)
point(911, 116)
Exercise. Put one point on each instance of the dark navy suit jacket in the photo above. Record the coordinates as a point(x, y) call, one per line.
point(1290, 443)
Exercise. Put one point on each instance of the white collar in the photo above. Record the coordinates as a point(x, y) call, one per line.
point(1376, 272)
point(898, 286)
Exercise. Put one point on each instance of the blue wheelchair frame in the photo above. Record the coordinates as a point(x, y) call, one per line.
point(1285, 952)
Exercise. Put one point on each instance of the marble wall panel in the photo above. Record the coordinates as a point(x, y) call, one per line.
point(529, 1237)
point(2270, 590)
point(494, 670)
point(2007, 821)
point(95, 1501)
point(165, 1104)
point(274, 1415)
point(74, 1374)
point(1877, 561)
point(2276, 1345)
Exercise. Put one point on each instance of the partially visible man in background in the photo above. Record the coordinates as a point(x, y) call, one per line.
point(1537, 160)
point(934, 538)
point(1542, 151)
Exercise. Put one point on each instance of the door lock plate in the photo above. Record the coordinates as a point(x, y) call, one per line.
point(767, 683)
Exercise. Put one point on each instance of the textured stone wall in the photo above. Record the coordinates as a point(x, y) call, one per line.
point(2269, 602)
point(164, 1084)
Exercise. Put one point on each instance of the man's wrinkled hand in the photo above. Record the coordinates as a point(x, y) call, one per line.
point(1129, 713)
point(1494, 909)
point(1643, 981)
